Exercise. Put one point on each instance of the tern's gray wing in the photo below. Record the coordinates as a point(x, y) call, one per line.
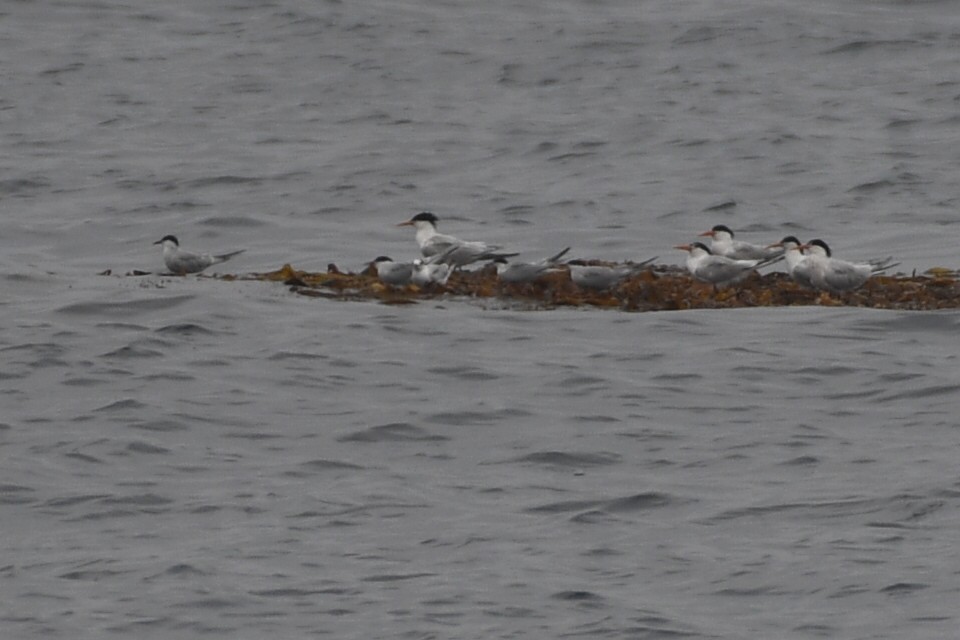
point(396, 273)
point(719, 272)
point(522, 272)
point(844, 276)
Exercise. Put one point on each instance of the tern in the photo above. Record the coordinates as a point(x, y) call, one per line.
point(601, 277)
point(723, 244)
point(523, 272)
point(717, 270)
point(798, 267)
point(426, 272)
point(835, 275)
point(183, 262)
point(457, 252)
point(390, 272)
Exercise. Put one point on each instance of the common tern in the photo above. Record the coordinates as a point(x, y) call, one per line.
point(717, 270)
point(601, 277)
point(457, 252)
point(722, 243)
point(798, 267)
point(183, 262)
point(522, 272)
point(427, 272)
point(394, 273)
point(836, 275)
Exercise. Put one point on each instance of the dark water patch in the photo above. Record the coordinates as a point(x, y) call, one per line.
point(147, 448)
point(185, 329)
point(904, 588)
point(948, 390)
point(215, 181)
point(16, 494)
point(393, 432)
point(184, 570)
point(70, 501)
point(562, 459)
point(869, 187)
point(464, 373)
point(396, 577)
point(233, 222)
point(168, 375)
point(638, 502)
point(19, 187)
point(803, 510)
point(816, 630)
point(802, 461)
point(464, 418)
point(139, 500)
point(92, 575)
point(127, 404)
point(861, 46)
point(131, 308)
point(132, 352)
point(320, 465)
point(577, 597)
point(565, 506)
point(297, 355)
point(163, 425)
point(83, 382)
point(83, 457)
point(288, 593)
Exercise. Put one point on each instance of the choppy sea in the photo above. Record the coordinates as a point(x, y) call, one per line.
point(197, 458)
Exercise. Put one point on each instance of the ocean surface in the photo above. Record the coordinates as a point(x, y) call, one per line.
point(199, 458)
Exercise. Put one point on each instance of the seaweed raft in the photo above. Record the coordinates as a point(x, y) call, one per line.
point(660, 288)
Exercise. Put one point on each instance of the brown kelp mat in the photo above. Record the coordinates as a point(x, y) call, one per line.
point(660, 288)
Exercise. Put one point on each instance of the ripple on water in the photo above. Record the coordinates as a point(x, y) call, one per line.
point(393, 432)
point(566, 460)
point(121, 309)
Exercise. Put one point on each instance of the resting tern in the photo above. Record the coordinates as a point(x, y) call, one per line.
point(427, 272)
point(718, 270)
point(522, 272)
point(600, 277)
point(835, 275)
point(457, 252)
point(723, 244)
point(390, 272)
point(183, 262)
point(798, 266)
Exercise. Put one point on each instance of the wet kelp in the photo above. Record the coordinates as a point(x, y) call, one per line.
point(660, 288)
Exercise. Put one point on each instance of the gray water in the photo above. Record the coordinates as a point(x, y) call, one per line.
point(189, 457)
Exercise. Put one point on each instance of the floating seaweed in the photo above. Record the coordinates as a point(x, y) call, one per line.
point(660, 288)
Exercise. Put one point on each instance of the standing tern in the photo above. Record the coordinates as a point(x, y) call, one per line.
point(523, 272)
point(835, 275)
point(601, 277)
point(183, 262)
point(719, 271)
point(723, 244)
point(457, 252)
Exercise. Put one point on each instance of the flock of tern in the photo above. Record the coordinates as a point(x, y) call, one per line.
point(724, 262)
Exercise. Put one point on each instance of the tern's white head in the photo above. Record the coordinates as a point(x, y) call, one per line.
point(719, 233)
point(421, 221)
point(818, 248)
point(696, 249)
point(168, 241)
